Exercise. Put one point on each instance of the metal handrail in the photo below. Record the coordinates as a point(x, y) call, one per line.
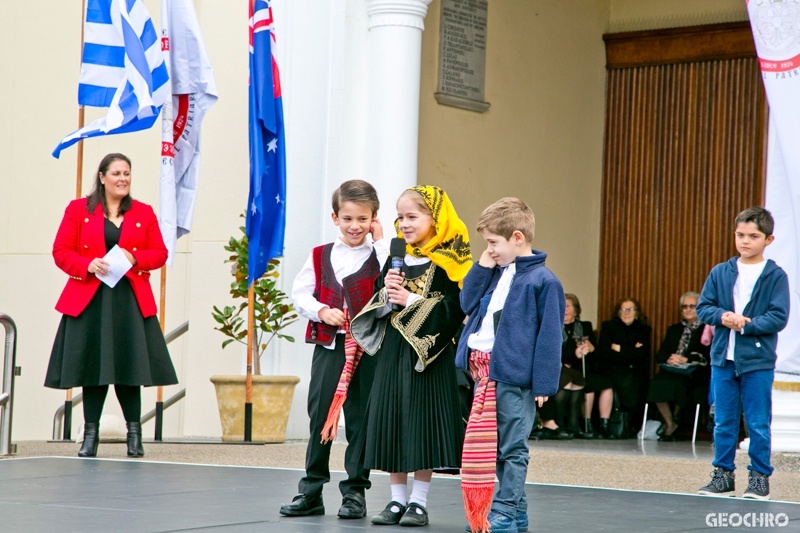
point(9, 372)
point(170, 402)
point(4, 399)
point(59, 416)
point(177, 332)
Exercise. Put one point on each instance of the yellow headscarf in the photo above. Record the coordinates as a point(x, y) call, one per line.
point(449, 248)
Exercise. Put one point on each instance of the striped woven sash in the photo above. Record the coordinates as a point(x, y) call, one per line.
point(479, 458)
point(352, 355)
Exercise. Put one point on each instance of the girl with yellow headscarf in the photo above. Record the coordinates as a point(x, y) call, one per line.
point(414, 421)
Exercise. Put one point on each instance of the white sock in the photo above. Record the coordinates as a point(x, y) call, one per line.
point(419, 493)
point(398, 495)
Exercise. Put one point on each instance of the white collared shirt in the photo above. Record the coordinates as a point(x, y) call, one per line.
point(346, 261)
point(483, 339)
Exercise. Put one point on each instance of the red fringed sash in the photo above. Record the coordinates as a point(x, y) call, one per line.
point(352, 355)
point(479, 458)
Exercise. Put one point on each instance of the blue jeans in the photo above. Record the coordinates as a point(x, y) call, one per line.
point(753, 390)
point(515, 412)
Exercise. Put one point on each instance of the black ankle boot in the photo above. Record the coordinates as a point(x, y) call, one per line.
point(91, 437)
point(135, 448)
point(590, 430)
point(605, 429)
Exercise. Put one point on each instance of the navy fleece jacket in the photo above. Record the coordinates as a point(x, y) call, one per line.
point(768, 311)
point(527, 344)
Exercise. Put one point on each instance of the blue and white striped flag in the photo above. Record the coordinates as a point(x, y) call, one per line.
point(122, 68)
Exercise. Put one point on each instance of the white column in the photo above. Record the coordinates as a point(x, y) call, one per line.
point(395, 41)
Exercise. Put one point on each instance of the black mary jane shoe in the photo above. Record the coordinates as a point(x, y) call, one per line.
point(91, 437)
point(387, 517)
point(135, 448)
point(415, 516)
point(353, 506)
point(303, 505)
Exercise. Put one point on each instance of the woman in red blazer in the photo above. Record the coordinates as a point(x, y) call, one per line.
point(109, 336)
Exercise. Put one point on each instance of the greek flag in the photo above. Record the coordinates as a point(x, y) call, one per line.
point(122, 68)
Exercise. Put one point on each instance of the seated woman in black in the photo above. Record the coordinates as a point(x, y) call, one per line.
point(675, 384)
point(578, 342)
point(624, 354)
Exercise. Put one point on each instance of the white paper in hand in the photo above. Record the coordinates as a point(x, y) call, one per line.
point(118, 265)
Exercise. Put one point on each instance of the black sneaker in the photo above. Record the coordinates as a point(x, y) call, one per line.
point(757, 486)
point(388, 517)
point(722, 484)
point(416, 515)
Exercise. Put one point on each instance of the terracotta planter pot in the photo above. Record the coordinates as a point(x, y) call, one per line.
point(272, 400)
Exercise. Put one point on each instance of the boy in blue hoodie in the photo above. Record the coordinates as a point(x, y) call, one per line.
point(511, 345)
point(747, 300)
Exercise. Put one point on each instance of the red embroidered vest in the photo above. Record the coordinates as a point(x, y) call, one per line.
point(356, 292)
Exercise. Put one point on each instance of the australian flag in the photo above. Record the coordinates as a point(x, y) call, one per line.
point(266, 206)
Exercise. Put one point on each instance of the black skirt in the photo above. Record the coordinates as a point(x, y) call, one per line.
point(669, 386)
point(597, 383)
point(414, 419)
point(110, 343)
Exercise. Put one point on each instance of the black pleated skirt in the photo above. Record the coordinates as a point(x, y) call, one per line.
point(414, 419)
point(110, 343)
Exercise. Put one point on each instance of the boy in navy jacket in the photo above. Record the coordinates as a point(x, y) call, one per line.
point(512, 347)
point(747, 300)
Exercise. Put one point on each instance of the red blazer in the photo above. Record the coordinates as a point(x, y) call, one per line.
point(81, 238)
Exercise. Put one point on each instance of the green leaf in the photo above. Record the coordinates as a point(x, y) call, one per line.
point(227, 342)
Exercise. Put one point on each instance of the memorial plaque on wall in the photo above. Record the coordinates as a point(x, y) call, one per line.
point(462, 54)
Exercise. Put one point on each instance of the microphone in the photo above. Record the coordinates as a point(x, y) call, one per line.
point(397, 252)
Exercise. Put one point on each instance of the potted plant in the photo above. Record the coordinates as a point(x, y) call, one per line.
point(271, 395)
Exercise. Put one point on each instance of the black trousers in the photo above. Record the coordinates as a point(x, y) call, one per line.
point(326, 368)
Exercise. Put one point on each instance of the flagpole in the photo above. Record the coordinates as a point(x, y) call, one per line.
point(160, 393)
point(248, 405)
point(78, 193)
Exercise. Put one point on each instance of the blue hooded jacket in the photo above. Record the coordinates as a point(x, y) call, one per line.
point(527, 344)
point(768, 311)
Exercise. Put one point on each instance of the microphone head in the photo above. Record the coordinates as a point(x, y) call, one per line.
point(397, 248)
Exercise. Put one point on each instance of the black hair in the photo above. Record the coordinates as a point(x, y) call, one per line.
point(98, 194)
point(758, 216)
point(356, 191)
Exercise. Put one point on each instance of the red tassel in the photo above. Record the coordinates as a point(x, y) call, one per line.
point(332, 422)
point(477, 502)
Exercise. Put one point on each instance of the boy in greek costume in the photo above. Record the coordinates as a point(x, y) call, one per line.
point(333, 286)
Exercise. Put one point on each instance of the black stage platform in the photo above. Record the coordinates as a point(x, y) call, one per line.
point(74, 495)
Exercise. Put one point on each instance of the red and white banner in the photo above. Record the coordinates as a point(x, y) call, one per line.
point(193, 92)
point(776, 31)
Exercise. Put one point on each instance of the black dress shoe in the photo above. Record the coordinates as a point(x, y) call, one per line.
point(389, 517)
point(555, 434)
point(415, 516)
point(303, 505)
point(135, 448)
point(91, 437)
point(353, 506)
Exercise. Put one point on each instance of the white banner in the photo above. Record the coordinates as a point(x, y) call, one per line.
point(193, 92)
point(776, 31)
